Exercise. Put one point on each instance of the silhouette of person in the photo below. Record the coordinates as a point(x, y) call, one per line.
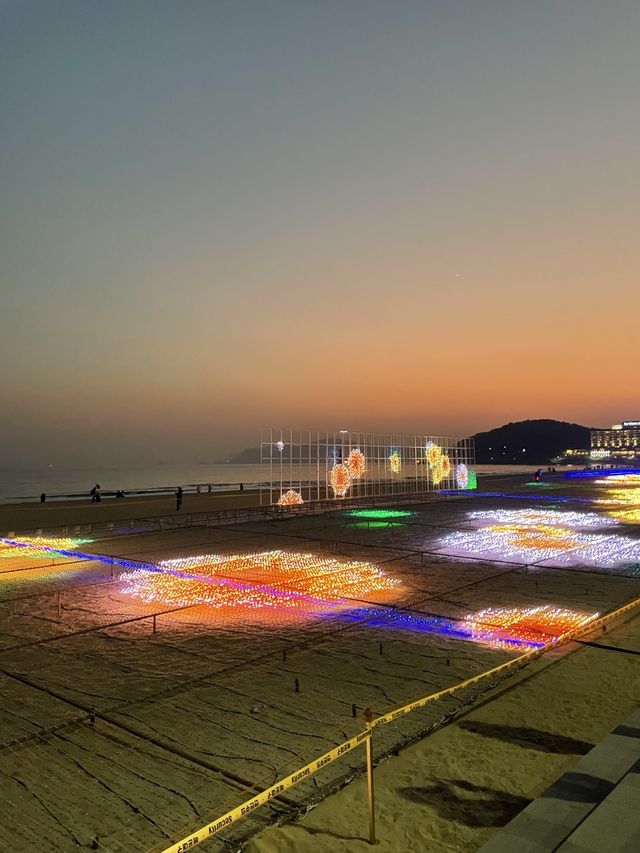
point(179, 498)
point(43, 498)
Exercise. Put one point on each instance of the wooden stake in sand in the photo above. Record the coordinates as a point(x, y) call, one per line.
point(368, 718)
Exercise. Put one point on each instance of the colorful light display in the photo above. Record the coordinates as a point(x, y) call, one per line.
point(615, 553)
point(626, 479)
point(532, 627)
point(593, 475)
point(439, 463)
point(38, 547)
point(357, 464)
point(505, 627)
point(269, 579)
point(291, 498)
point(518, 497)
point(462, 476)
point(536, 517)
point(35, 547)
point(473, 479)
point(532, 536)
point(512, 543)
point(340, 480)
point(540, 484)
point(380, 514)
point(627, 516)
point(618, 497)
point(433, 453)
point(622, 498)
point(395, 462)
point(620, 480)
point(379, 465)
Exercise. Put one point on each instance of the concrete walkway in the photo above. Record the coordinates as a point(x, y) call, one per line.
point(593, 808)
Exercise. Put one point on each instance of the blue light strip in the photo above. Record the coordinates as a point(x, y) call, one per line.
point(521, 497)
point(598, 474)
point(440, 625)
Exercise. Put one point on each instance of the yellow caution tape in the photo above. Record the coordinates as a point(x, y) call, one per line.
point(264, 796)
point(304, 772)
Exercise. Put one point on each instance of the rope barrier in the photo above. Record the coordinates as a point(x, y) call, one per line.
point(365, 737)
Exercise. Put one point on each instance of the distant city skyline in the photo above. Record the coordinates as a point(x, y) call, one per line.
point(412, 217)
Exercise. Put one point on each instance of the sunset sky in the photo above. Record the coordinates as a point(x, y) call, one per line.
point(215, 216)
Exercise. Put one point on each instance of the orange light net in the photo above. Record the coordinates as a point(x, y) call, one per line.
point(530, 626)
point(267, 579)
point(544, 537)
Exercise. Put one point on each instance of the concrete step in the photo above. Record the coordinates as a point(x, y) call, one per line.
point(552, 821)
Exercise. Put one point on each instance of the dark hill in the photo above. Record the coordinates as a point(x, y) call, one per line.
point(529, 442)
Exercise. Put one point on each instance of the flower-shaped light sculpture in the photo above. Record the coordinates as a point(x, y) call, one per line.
point(340, 480)
point(462, 476)
point(356, 463)
point(290, 498)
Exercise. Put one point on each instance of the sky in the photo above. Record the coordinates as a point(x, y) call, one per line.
point(416, 217)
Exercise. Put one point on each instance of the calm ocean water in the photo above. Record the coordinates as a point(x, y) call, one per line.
point(67, 482)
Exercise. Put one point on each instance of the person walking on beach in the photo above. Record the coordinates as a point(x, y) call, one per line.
point(95, 494)
point(179, 498)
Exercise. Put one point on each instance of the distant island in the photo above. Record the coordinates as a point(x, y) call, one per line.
point(534, 442)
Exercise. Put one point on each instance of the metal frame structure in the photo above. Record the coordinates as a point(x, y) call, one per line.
point(302, 461)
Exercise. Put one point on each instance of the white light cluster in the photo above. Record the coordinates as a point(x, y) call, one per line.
point(546, 537)
point(535, 517)
point(518, 546)
point(608, 552)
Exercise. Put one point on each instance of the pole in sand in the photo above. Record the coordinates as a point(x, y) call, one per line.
point(368, 744)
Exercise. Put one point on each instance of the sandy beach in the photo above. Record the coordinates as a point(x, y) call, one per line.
point(452, 790)
point(32, 516)
point(161, 719)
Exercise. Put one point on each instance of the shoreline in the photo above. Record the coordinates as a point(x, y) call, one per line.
point(231, 482)
point(30, 518)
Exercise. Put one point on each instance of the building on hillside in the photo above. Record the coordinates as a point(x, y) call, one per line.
point(622, 442)
point(618, 445)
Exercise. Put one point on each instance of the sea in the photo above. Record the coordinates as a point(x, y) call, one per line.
point(64, 483)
